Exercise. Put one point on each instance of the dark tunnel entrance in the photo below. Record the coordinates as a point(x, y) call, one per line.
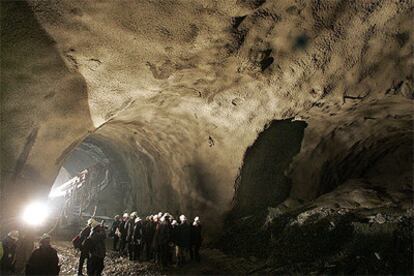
point(91, 182)
point(261, 182)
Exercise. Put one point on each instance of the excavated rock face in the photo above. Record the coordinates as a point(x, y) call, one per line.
point(181, 89)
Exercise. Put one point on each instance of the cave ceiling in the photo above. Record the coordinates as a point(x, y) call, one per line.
point(190, 84)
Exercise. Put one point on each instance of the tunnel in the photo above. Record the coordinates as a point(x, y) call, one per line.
point(285, 127)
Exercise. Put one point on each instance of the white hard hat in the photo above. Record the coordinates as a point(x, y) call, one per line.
point(14, 234)
point(93, 222)
point(196, 219)
point(183, 218)
point(174, 222)
point(45, 236)
point(125, 215)
point(133, 214)
point(137, 219)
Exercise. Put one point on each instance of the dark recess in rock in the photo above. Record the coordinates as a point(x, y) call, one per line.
point(261, 182)
point(301, 42)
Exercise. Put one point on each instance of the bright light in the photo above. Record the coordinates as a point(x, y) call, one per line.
point(35, 213)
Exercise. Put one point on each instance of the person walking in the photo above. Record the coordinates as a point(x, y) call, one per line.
point(82, 244)
point(97, 250)
point(44, 260)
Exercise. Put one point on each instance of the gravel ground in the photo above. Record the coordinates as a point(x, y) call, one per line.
point(213, 262)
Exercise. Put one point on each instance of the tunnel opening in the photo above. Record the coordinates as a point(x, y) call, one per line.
point(260, 185)
point(262, 182)
point(92, 182)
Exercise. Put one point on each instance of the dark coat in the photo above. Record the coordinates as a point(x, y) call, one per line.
point(123, 230)
point(9, 253)
point(114, 226)
point(137, 234)
point(164, 234)
point(84, 234)
point(148, 231)
point(43, 261)
point(196, 238)
point(184, 235)
point(129, 225)
point(97, 242)
point(174, 233)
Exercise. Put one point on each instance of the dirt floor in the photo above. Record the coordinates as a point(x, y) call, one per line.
point(213, 262)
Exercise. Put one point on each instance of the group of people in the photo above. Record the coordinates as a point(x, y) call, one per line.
point(159, 238)
point(18, 257)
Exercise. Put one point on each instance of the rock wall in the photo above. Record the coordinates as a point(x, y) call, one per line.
point(182, 88)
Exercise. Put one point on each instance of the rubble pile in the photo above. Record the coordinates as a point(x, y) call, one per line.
point(319, 240)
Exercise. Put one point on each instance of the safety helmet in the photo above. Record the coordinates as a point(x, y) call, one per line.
point(14, 235)
point(183, 218)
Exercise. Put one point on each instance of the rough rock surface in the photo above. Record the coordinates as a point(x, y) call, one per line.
point(182, 88)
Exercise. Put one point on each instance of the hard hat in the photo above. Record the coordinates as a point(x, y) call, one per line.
point(45, 236)
point(92, 222)
point(183, 218)
point(137, 219)
point(133, 214)
point(174, 222)
point(196, 219)
point(14, 235)
point(44, 239)
point(125, 215)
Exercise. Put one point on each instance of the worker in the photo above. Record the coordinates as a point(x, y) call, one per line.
point(148, 235)
point(44, 260)
point(137, 239)
point(183, 240)
point(122, 232)
point(83, 245)
point(196, 239)
point(9, 252)
point(24, 248)
point(113, 234)
point(173, 242)
point(164, 236)
point(155, 240)
point(130, 233)
point(97, 250)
